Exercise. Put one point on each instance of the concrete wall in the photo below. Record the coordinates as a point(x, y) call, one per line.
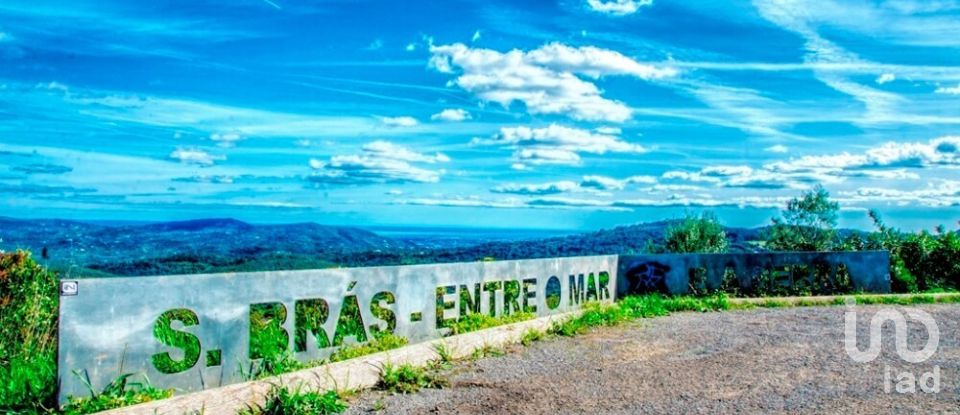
point(193, 332)
point(820, 272)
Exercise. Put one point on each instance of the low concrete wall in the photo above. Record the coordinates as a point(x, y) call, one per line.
point(362, 372)
point(195, 332)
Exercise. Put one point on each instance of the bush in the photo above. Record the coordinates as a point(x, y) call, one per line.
point(703, 234)
point(807, 224)
point(920, 261)
point(28, 334)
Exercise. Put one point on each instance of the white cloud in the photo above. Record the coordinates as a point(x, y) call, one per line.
point(949, 90)
point(610, 183)
point(618, 7)
point(411, 47)
point(556, 144)
point(537, 189)
point(451, 114)
point(399, 121)
point(226, 140)
point(388, 150)
point(588, 184)
point(475, 37)
point(939, 151)
point(941, 193)
point(546, 79)
point(608, 130)
point(191, 155)
point(379, 162)
point(779, 148)
point(885, 78)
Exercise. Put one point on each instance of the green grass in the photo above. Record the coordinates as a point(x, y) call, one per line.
point(407, 379)
point(284, 361)
point(382, 342)
point(480, 321)
point(119, 393)
point(530, 336)
point(283, 401)
point(444, 355)
point(28, 334)
point(487, 351)
point(634, 307)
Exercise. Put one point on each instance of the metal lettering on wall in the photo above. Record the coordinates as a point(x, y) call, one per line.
point(793, 273)
point(194, 332)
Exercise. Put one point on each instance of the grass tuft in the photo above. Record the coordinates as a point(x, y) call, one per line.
point(283, 401)
point(480, 321)
point(119, 393)
point(407, 379)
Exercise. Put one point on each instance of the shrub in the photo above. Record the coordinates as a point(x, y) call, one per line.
point(703, 234)
point(28, 333)
point(807, 224)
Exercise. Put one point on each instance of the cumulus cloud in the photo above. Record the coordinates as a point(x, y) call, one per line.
point(547, 80)
point(196, 156)
point(733, 176)
point(610, 183)
point(378, 162)
point(399, 121)
point(949, 90)
point(451, 114)
point(618, 7)
point(556, 144)
point(939, 151)
point(537, 189)
point(885, 78)
point(226, 140)
point(941, 193)
point(588, 184)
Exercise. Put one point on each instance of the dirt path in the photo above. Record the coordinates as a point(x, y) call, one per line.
point(761, 361)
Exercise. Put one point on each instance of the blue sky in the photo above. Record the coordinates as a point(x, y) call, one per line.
point(570, 114)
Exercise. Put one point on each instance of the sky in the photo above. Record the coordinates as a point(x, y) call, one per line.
point(559, 114)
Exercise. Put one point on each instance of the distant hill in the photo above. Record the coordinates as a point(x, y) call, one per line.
point(111, 247)
point(627, 239)
point(224, 245)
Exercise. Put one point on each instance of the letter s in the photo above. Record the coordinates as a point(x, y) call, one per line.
point(185, 341)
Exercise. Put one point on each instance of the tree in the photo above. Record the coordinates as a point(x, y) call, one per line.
point(703, 234)
point(807, 224)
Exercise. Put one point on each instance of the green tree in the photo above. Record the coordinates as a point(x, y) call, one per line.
point(807, 224)
point(697, 234)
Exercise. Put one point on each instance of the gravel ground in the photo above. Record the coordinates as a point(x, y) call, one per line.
point(760, 361)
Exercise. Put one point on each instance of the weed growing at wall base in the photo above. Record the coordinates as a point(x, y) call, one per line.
point(407, 379)
point(283, 401)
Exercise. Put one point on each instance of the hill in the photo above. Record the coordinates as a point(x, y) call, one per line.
point(227, 245)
